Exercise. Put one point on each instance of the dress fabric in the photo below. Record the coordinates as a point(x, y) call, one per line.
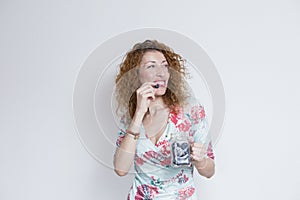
point(155, 177)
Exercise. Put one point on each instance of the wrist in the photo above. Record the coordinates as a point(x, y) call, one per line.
point(135, 135)
point(139, 114)
point(137, 119)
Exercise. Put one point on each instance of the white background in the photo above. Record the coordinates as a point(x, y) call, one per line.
point(255, 46)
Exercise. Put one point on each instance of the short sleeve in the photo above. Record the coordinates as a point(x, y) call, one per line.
point(199, 123)
point(200, 127)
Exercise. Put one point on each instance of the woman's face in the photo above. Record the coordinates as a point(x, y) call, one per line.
point(155, 68)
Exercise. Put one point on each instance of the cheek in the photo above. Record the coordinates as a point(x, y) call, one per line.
point(145, 77)
point(167, 77)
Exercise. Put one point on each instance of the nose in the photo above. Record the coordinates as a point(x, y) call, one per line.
point(161, 70)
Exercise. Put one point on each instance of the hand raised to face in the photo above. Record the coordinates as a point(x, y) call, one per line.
point(145, 94)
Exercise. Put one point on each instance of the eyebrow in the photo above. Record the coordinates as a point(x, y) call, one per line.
point(152, 61)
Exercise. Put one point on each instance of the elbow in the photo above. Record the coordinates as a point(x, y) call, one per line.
point(120, 172)
point(117, 169)
point(209, 171)
point(209, 175)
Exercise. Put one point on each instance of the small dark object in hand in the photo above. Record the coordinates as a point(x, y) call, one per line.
point(156, 86)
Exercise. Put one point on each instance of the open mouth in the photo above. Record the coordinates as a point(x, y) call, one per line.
point(160, 83)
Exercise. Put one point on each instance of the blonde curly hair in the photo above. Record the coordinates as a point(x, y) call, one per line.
point(127, 81)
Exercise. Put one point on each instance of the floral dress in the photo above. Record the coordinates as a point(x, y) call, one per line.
point(155, 177)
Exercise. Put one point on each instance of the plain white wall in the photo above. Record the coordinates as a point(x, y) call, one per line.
point(255, 46)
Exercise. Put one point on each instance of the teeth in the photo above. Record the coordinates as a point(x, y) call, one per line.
point(160, 82)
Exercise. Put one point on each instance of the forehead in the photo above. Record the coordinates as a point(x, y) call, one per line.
point(153, 55)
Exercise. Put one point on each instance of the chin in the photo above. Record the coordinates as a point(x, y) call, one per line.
point(160, 92)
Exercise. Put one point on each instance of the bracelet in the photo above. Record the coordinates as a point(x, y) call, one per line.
point(135, 135)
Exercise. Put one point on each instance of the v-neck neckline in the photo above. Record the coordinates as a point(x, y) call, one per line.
point(163, 133)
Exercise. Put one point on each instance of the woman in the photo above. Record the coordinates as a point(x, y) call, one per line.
point(156, 105)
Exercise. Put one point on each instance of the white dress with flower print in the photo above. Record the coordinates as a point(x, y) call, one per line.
point(155, 177)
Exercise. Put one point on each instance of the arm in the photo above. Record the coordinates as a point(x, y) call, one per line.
point(124, 155)
point(202, 160)
point(205, 167)
point(202, 155)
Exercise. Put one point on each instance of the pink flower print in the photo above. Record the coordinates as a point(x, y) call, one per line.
point(152, 156)
point(166, 161)
point(165, 151)
point(157, 158)
point(173, 179)
point(128, 196)
point(174, 117)
point(120, 139)
point(162, 143)
point(164, 147)
point(184, 126)
point(192, 133)
point(182, 179)
point(138, 160)
point(202, 113)
point(197, 113)
point(146, 192)
point(185, 193)
point(210, 152)
point(181, 121)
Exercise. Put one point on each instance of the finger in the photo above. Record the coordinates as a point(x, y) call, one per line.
point(198, 157)
point(196, 152)
point(198, 145)
point(151, 84)
point(194, 147)
point(144, 86)
point(148, 95)
point(195, 158)
point(154, 85)
point(146, 92)
point(191, 139)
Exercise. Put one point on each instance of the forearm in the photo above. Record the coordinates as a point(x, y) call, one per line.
point(124, 155)
point(205, 167)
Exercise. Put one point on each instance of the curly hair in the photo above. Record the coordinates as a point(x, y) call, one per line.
point(127, 81)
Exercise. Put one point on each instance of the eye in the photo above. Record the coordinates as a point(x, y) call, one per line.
point(150, 66)
point(166, 65)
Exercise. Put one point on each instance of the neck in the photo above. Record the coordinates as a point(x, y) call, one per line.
point(156, 105)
